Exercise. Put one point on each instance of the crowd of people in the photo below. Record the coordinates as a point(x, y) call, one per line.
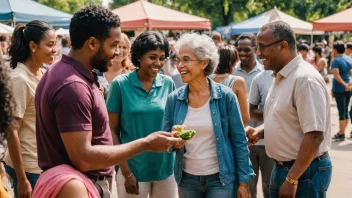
point(74, 115)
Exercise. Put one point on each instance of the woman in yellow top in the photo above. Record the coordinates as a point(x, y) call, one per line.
point(32, 45)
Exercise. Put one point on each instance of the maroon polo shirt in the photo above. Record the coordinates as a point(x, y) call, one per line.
point(68, 99)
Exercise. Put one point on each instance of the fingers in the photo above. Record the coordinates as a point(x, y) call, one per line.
point(167, 134)
point(174, 141)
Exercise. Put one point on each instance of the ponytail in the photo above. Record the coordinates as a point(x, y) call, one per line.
point(19, 49)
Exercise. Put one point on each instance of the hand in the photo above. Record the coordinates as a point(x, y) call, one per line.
point(287, 190)
point(24, 188)
point(161, 141)
point(252, 135)
point(347, 88)
point(243, 191)
point(174, 130)
point(131, 185)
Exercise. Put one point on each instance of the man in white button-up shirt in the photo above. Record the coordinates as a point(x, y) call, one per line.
point(296, 118)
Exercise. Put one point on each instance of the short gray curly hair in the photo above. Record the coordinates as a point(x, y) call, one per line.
point(203, 47)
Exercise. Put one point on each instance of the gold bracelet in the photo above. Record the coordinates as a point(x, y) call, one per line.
point(291, 181)
point(129, 176)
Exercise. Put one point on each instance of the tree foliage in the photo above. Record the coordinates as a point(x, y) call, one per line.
point(69, 6)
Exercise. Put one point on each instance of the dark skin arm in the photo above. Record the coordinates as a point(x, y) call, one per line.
point(14, 146)
point(255, 113)
point(131, 184)
point(307, 152)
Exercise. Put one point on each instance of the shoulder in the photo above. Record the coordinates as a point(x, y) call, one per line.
point(306, 74)
point(165, 79)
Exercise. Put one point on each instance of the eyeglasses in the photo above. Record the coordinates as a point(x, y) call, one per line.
point(185, 61)
point(246, 49)
point(262, 47)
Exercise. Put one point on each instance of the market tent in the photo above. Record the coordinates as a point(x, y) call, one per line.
point(341, 21)
point(5, 29)
point(142, 14)
point(24, 11)
point(252, 25)
point(62, 31)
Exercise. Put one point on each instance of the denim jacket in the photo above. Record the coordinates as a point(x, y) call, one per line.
point(230, 139)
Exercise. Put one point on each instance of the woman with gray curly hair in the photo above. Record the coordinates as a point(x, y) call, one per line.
point(215, 162)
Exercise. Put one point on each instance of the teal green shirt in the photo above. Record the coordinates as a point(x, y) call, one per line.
point(141, 114)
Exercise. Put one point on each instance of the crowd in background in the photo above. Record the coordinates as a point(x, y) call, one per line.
point(138, 89)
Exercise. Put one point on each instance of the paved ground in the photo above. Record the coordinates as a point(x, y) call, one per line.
point(341, 156)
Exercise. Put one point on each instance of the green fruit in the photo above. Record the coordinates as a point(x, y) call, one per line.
point(188, 134)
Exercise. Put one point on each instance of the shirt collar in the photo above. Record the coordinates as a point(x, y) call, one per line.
point(215, 92)
point(137, 83)
point(285, 71)
point(79, 67)
point(22, 66)
point(257, 67)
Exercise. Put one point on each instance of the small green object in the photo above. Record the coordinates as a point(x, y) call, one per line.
point(188, 134)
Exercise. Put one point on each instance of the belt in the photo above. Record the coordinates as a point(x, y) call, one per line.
point(290, 163)
point(99, 177)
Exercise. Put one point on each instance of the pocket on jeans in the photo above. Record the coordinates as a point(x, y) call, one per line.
point(325, 174)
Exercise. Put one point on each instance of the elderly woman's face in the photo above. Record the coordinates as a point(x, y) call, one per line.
point(152, 62)
point(189, 66)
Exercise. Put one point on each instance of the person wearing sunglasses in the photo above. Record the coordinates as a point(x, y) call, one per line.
point(297, 124)
point(248, 67)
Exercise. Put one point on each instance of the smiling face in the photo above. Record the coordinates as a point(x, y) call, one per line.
point(246, 51)
point(124, 49)
point(45, 51)
point(271, 56)
point(152, 62)
point(107, 51)
point(189, 66)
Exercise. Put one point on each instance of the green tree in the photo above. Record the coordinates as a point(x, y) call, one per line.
point(70, 6)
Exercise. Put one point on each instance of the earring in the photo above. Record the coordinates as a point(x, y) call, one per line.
point(33, 50)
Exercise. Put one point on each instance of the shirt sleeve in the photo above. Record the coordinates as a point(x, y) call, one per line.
point(114, 102)
point(311, 104)
point(21, 95)
point(73, 105)
point(243, 166)
point(335, 64)
point(254, 94)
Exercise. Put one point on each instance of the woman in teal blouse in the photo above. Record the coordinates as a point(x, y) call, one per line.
point(136, 105)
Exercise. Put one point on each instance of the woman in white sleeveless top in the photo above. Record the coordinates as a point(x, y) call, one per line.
point(223, 75)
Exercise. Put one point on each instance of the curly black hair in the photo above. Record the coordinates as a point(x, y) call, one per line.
point(249, 36)
point(6, 103)
point(91, 21)
point(148, 41)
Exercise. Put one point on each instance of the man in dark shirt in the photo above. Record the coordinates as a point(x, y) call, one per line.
point(72, 120)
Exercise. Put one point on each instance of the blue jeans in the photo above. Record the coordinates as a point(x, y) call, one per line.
point(209, 186)
point(32, 178)
point(312, 184)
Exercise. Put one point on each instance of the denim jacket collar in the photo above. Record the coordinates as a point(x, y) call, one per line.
point(215, 92)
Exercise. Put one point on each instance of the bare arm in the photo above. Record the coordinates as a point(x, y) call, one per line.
point(114, 122)
point(321, 65)
point(256, 114)
point(14, 146)
point(86, 157)
point(241, 92)
point(307, 152)
point(338, 77)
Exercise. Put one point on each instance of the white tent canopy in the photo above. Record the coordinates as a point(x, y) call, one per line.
point(5, 29)
point(253, 24)
point(62, 31)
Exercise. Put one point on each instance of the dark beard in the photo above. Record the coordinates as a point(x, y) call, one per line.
point(100, 61)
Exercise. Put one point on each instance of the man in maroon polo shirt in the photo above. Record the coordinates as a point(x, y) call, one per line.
point(72, 120)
